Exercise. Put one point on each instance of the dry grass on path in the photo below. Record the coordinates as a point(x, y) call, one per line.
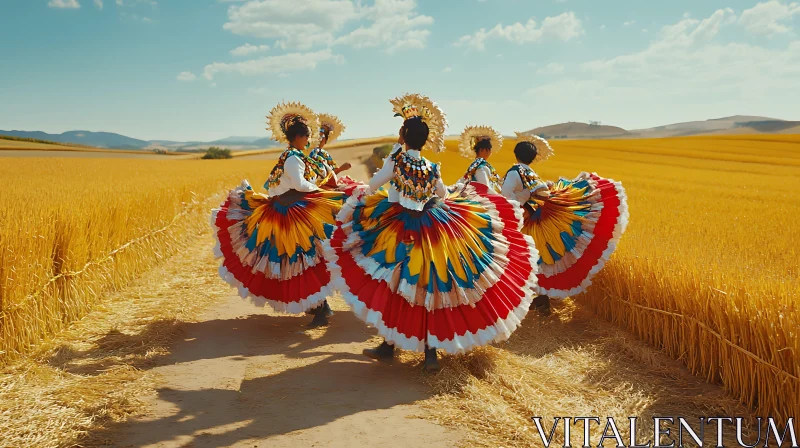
point(95, 372)
point(571, 364)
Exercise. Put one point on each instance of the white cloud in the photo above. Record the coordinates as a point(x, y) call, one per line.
point(447, 69)
point(98, 4)
point(186, 76)
point(64, 4)
point(602, 27)
point(391, 24)
point(247, 49)
point(257, 91)
point(769, 18)
point(395, 25)
point(272, 64)
point(552, 68)
point(679, 40)
point(295, 27)
point(137, 17)
point(563, 27)
point(629, 23)
point(644, 30)
point(131, 3)
point(686, 67)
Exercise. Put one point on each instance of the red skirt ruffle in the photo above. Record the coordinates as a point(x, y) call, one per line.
point(295, 294)
point(456, 329)
point(608, 229)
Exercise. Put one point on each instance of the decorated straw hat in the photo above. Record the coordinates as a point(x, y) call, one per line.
point(415, 105)
point(331, 126)
point(543, 149)
point(285, 114)
point(474, 134)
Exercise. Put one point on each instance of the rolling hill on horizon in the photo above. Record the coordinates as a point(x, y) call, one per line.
point(575, 129)
point(110, 140)
point(87, 138)
point(737, 124)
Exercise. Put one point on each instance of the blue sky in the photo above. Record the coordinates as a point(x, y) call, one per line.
point(207, 69)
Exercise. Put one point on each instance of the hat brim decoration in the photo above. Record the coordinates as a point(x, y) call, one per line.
point(415, 105)
point(284, 114)
point(473, 134)
point(332, 124)
point(543, 149)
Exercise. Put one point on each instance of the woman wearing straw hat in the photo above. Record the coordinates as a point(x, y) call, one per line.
point(479, 142)
point(330, 128)
point(271, 245)
point(430, 270)
point(576, 224)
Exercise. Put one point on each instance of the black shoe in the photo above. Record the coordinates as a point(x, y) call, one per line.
point(431, 362)
point(320, 320)
point(383, 352)
point(541, 304)
point(327, 309)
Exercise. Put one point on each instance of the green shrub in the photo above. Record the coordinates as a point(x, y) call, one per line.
point(217, 153)
point(382, 151)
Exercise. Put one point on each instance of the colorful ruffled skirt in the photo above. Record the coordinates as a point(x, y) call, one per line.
point(478, 187)
point(576, 230)
point(347, 185)
point(456, 275)
point(272, 248)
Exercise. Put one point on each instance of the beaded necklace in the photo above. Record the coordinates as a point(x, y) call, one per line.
point(414, 178)
point(323, 156)
point(313, 169)
point(494, 178)
point(528, 176)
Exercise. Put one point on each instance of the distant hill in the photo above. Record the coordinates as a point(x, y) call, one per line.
point(233, 143)
point(737, 124)
point(87, 138)
point(574, 129)
point(237, 140)
point(111, 140)
point(265, 143)
point(716, 126)
point(770, 126)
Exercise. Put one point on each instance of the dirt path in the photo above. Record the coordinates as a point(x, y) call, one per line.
point(245, 376)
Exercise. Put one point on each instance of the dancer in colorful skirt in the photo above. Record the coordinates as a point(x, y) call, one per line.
point(330, 128)
point(272, 245)
point(430, 270)
point(576, 224)
point(479, 142)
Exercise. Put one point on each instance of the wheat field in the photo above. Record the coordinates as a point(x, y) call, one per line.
point(708, 268)
point(73, 228)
